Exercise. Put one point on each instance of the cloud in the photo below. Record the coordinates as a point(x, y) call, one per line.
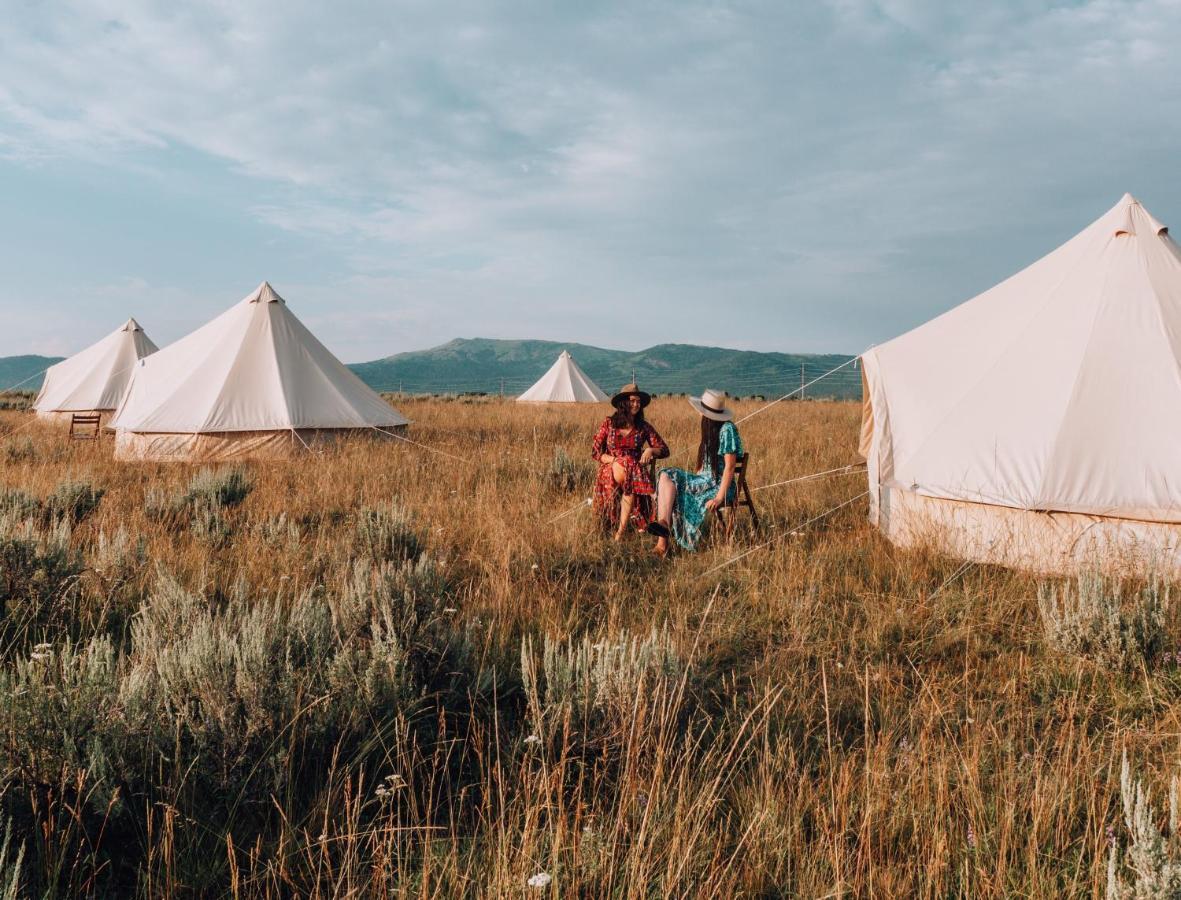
point(621, 173)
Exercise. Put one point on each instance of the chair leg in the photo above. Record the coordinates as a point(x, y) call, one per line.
point(754, 516)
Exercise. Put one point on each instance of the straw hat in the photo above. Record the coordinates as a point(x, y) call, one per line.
point(712, 405)
point(626, 391)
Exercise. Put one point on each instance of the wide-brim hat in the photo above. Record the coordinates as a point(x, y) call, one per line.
point(712, 405)
point(628, 390)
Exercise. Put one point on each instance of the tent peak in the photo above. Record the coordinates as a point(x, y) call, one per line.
point(1129, 211)
point(264, 293)
point(131, 325)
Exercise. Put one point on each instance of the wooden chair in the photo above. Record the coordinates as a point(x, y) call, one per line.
point(81, 423)
point(741, 499)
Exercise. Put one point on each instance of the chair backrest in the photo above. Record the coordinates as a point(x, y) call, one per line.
point(740, 471)
point(79, 422)
point(742, 497)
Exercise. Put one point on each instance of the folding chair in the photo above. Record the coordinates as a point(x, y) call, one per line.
point(80, 423)
point(741, 499)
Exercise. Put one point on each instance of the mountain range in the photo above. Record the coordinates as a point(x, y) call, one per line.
point(493, 366)
point(24, 373)
point(482, 365)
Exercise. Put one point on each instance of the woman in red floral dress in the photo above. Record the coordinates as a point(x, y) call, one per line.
point(623, 447)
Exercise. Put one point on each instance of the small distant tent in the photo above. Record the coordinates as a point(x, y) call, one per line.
point(564, 383)
point(254, 382)
point(95, 379)
point(1038, 425)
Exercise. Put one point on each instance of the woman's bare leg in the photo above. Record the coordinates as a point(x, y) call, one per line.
point(666, 496)
point(619, 473)
point(626, 504)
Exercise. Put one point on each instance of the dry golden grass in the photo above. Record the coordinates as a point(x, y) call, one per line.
point(834, 720)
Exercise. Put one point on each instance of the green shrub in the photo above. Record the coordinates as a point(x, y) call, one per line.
point(73, 500)
point(209, 524)
point(1154, 860)
point(38, 570)
point(567, 474)
point(597, 684)
point(219, 487)
point(1088, 619)
point(22, 450)
point(18, 504)
point(386, 534)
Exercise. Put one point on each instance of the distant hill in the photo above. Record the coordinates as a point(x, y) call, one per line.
point(24, 372)
point(484, 365)
point(481, 365)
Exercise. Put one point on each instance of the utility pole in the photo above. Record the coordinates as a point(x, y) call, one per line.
point(801, 381)
point(502, 387)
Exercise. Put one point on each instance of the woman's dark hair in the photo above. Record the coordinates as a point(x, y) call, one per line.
point(711, 431)
point(619, 418)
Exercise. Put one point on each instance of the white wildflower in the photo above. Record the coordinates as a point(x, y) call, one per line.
point(533, 739)
point(540, 880)
point(448, 610)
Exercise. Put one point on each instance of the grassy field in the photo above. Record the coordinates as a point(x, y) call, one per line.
point(384, 672)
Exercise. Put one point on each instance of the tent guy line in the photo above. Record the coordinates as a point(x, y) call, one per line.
point(851, 469)
point(423, 446)
point(13, 387)
point(781, 535)
point(582, 504)
point(802, 387)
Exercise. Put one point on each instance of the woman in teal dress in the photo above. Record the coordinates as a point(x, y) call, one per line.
point(684, 498)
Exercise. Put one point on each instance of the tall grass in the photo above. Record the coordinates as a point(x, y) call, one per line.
point(382, 672)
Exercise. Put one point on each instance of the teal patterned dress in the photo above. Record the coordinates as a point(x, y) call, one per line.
point(695, 489)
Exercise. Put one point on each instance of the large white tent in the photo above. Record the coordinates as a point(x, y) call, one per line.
point(95, 379)
point(252, 382)
point(1038, 425)
point(564, 383)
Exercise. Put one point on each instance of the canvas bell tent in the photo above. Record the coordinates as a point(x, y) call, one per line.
point(1038, 424)
point(254, 382)
point(95, 379)
point(564, 383)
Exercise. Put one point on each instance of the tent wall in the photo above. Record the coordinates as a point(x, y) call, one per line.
point(1047, 543)
point(236, 445)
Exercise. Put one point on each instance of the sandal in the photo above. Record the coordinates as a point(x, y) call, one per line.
point(658, 529)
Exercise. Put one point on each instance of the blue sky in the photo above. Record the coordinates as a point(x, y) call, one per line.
point(787, 176)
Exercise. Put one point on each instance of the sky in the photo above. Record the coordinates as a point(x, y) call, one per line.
point(792, 176)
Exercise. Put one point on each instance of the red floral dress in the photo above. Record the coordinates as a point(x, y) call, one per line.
point(626, 447)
